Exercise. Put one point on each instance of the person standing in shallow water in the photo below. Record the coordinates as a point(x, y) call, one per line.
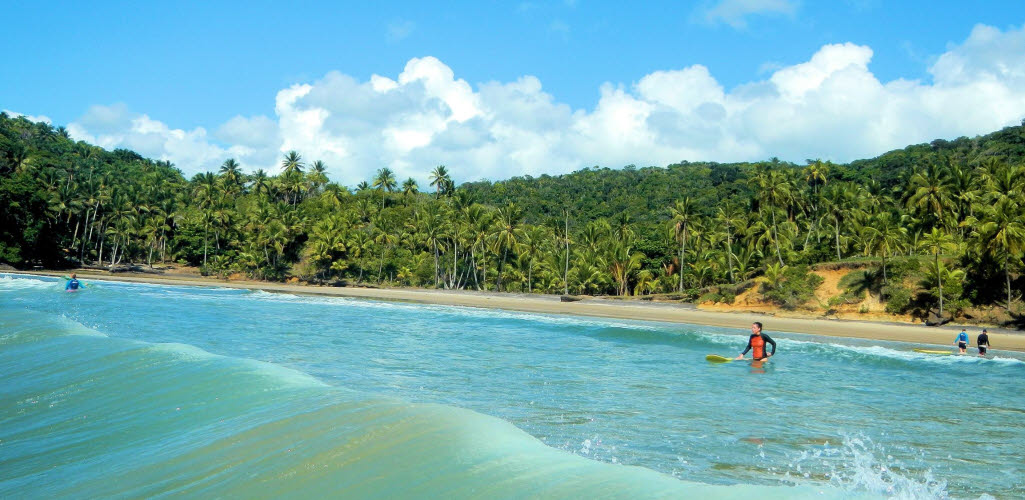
point(982, 343)
point(756, 342)
point(962, 342)
point(72, 284)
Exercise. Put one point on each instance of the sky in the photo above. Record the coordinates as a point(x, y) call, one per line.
point(498, 89)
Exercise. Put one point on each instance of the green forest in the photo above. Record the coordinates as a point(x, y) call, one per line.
point(947, 214)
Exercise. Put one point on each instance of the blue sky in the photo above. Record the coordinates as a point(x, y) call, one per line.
point(195, 67)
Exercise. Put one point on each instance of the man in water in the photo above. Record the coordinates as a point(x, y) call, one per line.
point(73, 284)
point(757, 342)
point(982, 343)
point(962, 342)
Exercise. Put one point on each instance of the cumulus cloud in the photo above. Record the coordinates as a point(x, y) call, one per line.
point(831, 106)
point(32, 118)
point(118, 127)
point(736, 12)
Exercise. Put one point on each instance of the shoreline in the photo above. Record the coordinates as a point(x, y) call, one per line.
point(1006, 340)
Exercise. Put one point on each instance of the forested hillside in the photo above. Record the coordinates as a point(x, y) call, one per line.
point(940, 223)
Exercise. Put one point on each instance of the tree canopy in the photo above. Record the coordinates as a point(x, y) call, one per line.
point(957, 205)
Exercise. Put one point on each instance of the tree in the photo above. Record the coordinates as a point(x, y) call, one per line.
point(886, 236)
point(507, 233)
point(440, 180)
point(231, 172)
point(775, 190)
point(533, 246)
point(385, 181)
point(1002, 236)
point(930, 193)
point(292, 163)
point(937, 241)
point(292, 169)
point(409, 188)
point(730, 220)
point(681, 216)
point(318, 175)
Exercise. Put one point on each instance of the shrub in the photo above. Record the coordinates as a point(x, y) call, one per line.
point(898, 299)
point(790, 287)
point(709, 297)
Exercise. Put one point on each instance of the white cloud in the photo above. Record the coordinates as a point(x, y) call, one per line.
point(32, 118)
point(736, 12)
point(117, 127)
point(399, 30)
point(831, 106)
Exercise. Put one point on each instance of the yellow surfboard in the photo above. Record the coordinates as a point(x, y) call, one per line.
point(933, 351)
point(715, 358)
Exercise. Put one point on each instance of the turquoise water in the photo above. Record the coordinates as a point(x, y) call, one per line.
point(141, 390)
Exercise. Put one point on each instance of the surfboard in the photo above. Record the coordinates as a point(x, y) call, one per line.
point(715, 358)
point(933, 351)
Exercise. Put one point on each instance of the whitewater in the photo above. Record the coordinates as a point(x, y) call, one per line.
point(131, 390)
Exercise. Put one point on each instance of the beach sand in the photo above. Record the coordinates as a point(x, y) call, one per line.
point(1001, 339)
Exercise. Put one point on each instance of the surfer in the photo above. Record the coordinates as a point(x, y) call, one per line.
point(73, 284)
point(962, 342)
point(982, 343)
point(757, 342)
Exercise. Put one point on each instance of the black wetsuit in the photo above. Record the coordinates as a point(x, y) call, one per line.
point(982, 343)
point(765, 340)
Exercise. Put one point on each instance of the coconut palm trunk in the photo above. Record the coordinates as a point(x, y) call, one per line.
point(939, 280)
point(775, 238)
point(1007, 279)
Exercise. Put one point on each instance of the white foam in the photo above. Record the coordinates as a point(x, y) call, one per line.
point(462, 311)
point(859, 465)
point(904, 354)
point(11, 283)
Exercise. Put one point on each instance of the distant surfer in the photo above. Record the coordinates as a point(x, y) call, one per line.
point(962, 342)
point(756, 343)
point(982, 342)
point(73, 284)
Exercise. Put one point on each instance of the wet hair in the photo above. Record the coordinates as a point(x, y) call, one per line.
point(759, 323)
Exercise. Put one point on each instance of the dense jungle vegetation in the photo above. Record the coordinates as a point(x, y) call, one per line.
point(947, 214)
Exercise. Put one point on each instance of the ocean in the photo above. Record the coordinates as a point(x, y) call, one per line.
point(133, 390)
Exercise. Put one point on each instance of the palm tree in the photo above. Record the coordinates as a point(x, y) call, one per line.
point(231, 172)
point(507, 232)
point(937, 241)
point(730, 219)
point(815, 174)
point(1002, 235)
point(885, 237)
point(777, 192)
point(384, 236)
point(261, 184)
point(385, 181)
point(842, 204)
point(318, 175)
point(682, 214)
point(360, 244)
point(203, 193)
point(440, 180)
point(430, 226)
point(930, 193)
point(409, 188)
point(292, 169)
point(623, 262)
point(293, 163)
point(534, 238)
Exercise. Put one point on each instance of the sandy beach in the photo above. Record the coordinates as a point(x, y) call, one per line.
point(1001, 339)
